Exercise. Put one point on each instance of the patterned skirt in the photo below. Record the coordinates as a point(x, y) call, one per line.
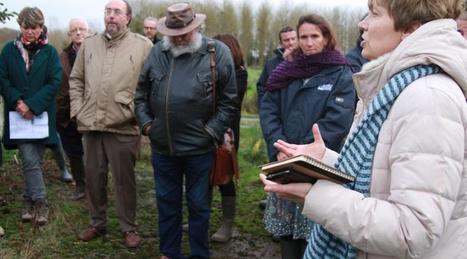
point(285, 218)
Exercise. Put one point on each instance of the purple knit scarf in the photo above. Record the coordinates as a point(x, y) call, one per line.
point(303, 66)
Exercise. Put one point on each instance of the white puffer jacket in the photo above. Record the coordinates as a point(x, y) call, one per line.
point(418, 195)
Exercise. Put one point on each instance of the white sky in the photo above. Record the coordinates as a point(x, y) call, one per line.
point(58, 12)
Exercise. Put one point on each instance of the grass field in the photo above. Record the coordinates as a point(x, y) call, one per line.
point(58, 239)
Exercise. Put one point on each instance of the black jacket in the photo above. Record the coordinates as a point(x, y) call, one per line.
point(270, 65)
point(174, 95)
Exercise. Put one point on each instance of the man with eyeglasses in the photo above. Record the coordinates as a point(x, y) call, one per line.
point(102, 87)
point(150, 29)
point(78, 30)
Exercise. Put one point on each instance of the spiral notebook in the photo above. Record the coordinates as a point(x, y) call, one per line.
point(303, 169)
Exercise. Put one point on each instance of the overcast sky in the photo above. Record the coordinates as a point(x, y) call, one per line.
point(58, 12)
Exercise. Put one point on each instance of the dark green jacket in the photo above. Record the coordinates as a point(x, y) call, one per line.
point(37, 88)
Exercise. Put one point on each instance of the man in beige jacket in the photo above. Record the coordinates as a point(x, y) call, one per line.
point(102, 87)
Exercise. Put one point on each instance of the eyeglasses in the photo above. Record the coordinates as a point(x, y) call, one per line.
point(149, 28)
point(116, 12)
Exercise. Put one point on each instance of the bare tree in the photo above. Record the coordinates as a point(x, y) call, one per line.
point(227, 18)
point(211, 9)
point(246, 29)
point(262, 31)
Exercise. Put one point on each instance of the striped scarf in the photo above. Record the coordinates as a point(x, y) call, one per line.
point(356, 157)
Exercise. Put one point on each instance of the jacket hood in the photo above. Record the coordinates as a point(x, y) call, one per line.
point(437, 42)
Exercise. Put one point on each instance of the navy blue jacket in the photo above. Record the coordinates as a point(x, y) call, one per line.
point(327, 99)
point(354, 56)
point(270, 65)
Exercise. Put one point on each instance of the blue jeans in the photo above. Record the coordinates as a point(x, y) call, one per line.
point(31, 159)
point(168, 174)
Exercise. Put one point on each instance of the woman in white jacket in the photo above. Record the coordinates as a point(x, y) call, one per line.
point(407, 147)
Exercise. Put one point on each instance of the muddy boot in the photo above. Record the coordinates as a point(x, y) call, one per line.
point(224, 233)
point(41, 212)
point(27, 212)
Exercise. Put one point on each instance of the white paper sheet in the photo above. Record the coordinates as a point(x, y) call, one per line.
point(37, 128)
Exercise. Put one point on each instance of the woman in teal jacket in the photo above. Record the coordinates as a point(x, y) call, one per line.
point(30, 75)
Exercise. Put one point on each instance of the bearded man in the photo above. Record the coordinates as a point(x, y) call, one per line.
point(102, 87)
point(174, 107)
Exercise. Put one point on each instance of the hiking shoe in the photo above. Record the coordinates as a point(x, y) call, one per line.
point(132, 239)
point(41, 213)
point(26, 213)
point(90, 234)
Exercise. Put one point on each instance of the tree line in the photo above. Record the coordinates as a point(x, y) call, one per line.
point(256, 29)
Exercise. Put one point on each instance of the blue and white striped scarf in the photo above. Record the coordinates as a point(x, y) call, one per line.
point(356, 157)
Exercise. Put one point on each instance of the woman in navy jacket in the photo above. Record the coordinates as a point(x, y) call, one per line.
point(315, 87)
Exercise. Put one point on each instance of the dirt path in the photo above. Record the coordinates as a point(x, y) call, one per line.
point(246, 246)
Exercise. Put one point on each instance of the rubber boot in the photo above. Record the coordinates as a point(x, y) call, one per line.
point(224, 233)
point(77, 170)
point(59, 156)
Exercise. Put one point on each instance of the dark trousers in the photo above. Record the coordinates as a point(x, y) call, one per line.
point(169, 172)
point(119, 152)
point(73, 145)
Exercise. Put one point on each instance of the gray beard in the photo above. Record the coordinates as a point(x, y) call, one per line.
point(193, 46)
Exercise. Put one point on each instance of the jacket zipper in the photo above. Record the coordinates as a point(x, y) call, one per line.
point(169, 139)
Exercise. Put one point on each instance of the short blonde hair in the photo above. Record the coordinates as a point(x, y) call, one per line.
point(406, 13)
point(30, 17)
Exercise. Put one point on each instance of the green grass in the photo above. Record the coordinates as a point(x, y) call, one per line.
point(58, 239)
point(249, 105)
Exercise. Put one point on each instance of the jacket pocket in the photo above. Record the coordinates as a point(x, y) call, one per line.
point(156, 78)
point(125, 99)
point(204, 84)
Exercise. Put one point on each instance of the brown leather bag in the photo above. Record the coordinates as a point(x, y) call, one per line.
point(225, 164)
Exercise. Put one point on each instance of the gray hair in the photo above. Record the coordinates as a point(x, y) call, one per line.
point(150, 19)
point(78, 20)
